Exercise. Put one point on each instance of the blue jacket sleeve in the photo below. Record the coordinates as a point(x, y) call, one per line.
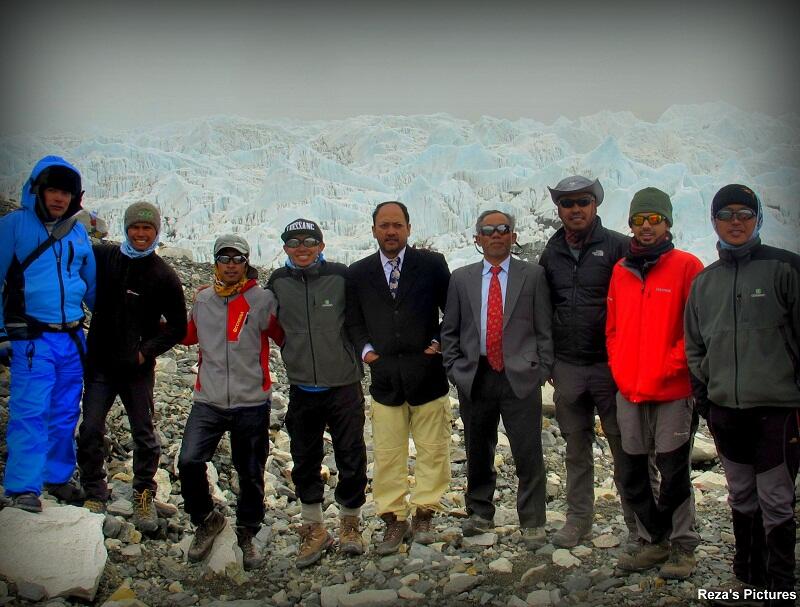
point(89, 275)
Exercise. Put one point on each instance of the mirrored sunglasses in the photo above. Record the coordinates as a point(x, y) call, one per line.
point(567, 203)
point(651, 218)
point(502, 228)
point(741, 214)
point(309, 242)
point(237, 259)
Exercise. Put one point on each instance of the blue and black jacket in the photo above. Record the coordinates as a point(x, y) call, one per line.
point(51, 289)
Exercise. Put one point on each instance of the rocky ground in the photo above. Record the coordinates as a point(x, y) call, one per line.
point(494, 569)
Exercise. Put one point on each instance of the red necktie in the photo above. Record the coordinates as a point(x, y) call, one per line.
point(494, 322)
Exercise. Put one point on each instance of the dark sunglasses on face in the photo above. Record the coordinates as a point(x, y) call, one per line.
point(501, 229)
point(309, 242)
point(566, 203)
point(741, 214)
point(651, 218)
point(237, 259)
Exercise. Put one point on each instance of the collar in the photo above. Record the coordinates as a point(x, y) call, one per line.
point(487, 267)
point(385, 260)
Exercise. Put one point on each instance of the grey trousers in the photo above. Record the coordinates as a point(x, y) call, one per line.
point(579, 391)
point(668, 428)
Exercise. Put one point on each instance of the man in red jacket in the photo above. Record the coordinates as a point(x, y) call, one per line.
point(644, 332)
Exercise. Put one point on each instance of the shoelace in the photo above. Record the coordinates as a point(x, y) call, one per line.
point(143, 501)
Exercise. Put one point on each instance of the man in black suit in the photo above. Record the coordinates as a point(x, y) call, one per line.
point(394, 299)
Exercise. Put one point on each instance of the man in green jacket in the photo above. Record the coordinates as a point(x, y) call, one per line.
point(743, 347)
point(325, 390)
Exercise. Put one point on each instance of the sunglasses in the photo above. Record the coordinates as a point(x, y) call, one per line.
point(566, 203)
point(237, 259)
point(741, 214)
point(501, 229)
point(651, 218)
point(308, 242)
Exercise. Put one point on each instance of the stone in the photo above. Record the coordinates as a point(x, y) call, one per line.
point(369, 598)
point(74, 572)
point(703, 450)
point(460, 582)
point(564, 558)
point(163, 485)
point(539, 598)
point(710, 480)
point(165, 364)
point(111, 526)
point(120, 508)
point(534, 575)
point(501, 565)
point(132, 550)
point(607, 540)
point(581, 551)
point(225, 552)
point(404, 592)
point(329, 595)
point(484, 539)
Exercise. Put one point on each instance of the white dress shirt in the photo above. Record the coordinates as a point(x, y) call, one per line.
point(486, 279)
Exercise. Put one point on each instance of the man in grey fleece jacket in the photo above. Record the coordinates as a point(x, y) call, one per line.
point(231, 322)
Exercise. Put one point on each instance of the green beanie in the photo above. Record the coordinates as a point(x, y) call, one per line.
point(142, 212)
point(651, 200)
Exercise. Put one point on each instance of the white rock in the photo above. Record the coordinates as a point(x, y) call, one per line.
point(404, 592)
point(120, 507)
point(165, 364)
point(703, 450)
point(175, 253)
point(163, 485)
point(484, 539)
point(607, 540)
point(45, 560)
point(369, 598)
point(553, 516)
point(329, 595)
point(501, 565)
point(564, 558)
point(539, 597)
point(225, 552)
point(581, 551)
point(213, 479)
point(502, 441)
point(710, 480)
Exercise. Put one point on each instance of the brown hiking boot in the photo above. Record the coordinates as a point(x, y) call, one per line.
point(736, 594)
point(205, 534)
point(679, 565)
point(144, 511)
point(644, 557)
point(316, 540)
point(572, 534)
point(396, 532)
point(251, 557)
point(422, 527)
point(533, 537)
point(350, 540)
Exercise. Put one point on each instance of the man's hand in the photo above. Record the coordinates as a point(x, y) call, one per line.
point(434, 348)
point(370, 357)
point(5, 353)
point(140, 358)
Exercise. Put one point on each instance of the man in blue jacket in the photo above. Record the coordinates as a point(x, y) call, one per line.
point(47, 265)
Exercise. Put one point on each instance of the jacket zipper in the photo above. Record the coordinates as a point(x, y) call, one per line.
point(308, 320)
point(70, 259)
point(60, 281)
point(227, 353)
point(573, 311)
point(737, 300)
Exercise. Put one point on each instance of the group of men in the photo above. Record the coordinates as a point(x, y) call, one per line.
point(630, 327)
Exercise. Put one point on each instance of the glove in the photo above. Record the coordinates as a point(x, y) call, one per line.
point(5, 353)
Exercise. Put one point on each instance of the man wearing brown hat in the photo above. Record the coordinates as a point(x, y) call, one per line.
point(135, 289)
point(325, 388)
point(645, 341)
point(578, 261)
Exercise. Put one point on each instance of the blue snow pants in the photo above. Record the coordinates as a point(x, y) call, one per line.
point(43, 410)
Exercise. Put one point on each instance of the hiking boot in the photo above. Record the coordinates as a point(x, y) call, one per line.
point(251, 557)
point(679, 565)
point(204, 536)
point(26, 501)
point(66, 492)
point(476, 525)
point(95, 505)
point(421, 526)
point(533, 537)
point(350, 540)
point(572, 534)
point(396, 532)
point(644, 557)
point(144, 518)
point(735, 595)
point(316, 540)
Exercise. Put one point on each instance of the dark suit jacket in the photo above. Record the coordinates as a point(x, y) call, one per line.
point(527, 334)
point(400, 329)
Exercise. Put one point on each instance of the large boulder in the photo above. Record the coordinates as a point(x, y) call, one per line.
point(59, 551)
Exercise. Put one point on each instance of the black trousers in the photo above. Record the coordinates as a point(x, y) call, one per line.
point(136, 393)
point(249, 428)
point(341, 409)
point(492, 397)
point(760, 452)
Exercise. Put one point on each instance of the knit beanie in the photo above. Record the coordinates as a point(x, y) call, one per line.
point(651, 200)
point(734, 193)
point(142, 212)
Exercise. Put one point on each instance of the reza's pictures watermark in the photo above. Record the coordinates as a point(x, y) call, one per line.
point(753, 594)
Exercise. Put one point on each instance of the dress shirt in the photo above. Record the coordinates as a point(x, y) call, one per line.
point(486, 279)
point(387, 271)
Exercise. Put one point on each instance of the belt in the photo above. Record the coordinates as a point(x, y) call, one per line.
point(67, 326)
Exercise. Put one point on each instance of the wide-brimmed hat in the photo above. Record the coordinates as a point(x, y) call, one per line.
point(576, 184)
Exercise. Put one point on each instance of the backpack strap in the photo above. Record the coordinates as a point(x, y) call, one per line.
point(59, 231)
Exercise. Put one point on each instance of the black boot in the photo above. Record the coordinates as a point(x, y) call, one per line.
point(749, 560)
point(781, 559)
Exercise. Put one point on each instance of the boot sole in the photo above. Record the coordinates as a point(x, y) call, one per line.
point(560, 544)
point(314, 558)
point(387, 551)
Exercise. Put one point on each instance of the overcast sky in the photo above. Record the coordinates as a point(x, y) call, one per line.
point(70, 65)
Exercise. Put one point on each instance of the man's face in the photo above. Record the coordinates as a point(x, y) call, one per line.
point(141, 235)
point(391, 230)
point(302, 255)
point(230, 271)
point(496, 246)
point(648, 233)
point(576, 217)
point(56, 202)
point(735, 231)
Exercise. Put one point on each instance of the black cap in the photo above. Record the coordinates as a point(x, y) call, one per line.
point(301, 226)
point(60, 177)
point(734, 193)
